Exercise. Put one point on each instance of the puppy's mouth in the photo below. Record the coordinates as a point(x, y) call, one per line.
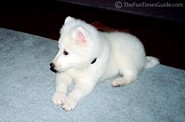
point(63, 69)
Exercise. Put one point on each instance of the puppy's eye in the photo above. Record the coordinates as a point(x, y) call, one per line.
point(65, 52)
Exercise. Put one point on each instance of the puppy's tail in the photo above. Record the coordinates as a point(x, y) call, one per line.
point(151, 62)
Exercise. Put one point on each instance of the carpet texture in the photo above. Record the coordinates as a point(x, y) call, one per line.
point(27, 85)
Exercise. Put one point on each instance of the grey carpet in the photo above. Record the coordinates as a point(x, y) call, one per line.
point(27, 85)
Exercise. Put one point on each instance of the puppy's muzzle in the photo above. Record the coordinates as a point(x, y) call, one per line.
point(52, 67)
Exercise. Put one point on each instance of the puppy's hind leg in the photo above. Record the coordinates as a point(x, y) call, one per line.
point(127, 78)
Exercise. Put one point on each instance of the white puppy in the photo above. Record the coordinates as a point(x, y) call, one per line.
point(87, 56)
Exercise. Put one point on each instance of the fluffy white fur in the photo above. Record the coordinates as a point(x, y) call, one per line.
point(80, 44)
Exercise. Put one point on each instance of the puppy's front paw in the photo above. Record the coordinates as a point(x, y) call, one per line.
point(58, 98)
point(69, 104)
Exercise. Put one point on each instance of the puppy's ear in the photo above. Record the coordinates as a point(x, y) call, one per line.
point(69, 19)
point(80, 35)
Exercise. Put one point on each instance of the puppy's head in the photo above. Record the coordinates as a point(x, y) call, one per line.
point(78, 45)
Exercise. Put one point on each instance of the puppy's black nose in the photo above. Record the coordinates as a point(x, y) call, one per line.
point(52, 65)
